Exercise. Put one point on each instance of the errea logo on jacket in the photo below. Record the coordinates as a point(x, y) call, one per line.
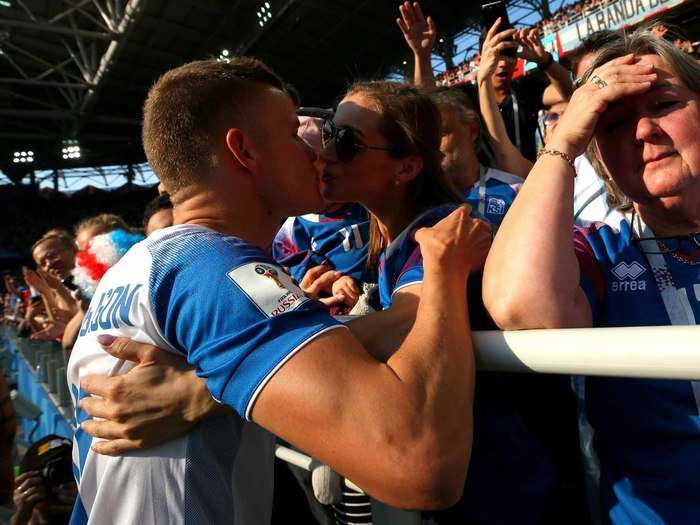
point(626, 275)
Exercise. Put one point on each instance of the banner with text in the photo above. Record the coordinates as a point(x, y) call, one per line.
point(615, 15)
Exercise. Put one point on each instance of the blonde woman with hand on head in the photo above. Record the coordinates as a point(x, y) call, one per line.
point(640, 104)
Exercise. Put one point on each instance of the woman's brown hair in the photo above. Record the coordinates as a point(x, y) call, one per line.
point(410, 123)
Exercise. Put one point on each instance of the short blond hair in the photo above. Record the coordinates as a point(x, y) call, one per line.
point(186, 108)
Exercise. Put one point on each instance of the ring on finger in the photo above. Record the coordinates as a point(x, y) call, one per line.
point(599, 82)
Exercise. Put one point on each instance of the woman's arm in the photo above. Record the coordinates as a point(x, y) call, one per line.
point(531, 279)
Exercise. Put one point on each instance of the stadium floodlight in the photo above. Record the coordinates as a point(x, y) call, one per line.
point(70, 150)
point(23, 157)
point(224, 55)
point(264, 14)
point(5, 3)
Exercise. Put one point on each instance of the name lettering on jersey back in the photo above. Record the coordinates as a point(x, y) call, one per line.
point(111, 310)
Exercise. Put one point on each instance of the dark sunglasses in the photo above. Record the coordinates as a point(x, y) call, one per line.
point(345, 141)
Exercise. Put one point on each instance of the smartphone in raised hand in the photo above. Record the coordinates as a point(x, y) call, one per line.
point(492, 11)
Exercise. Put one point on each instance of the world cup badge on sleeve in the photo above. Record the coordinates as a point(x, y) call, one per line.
point(271, 289)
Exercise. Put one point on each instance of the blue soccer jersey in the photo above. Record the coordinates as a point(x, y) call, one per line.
point(647, 432)
point(493, 194)
point(512, 475)
point(228, 308)
point(338, 239)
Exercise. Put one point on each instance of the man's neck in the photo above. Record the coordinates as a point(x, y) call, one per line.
point(248, 222)
point(667, 219)
point(467, 177)
point(502, 92)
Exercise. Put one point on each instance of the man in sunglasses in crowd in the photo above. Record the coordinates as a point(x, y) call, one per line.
point(222, 137)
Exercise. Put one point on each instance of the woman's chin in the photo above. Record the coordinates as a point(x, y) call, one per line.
point(330, 193)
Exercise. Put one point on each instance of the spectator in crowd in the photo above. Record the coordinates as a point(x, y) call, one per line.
point(8, 429)
point(640, 104)
point(14, 299)
point(489, 191)
point(102, 252)
point(264, 173)
point(517, 108)
point(158, 214)
point(89, 228)
point(45, 491)
point(518, 102)
point(55, 254)
point(507, 154)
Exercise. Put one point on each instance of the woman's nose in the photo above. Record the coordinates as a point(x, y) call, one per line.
point(647, 129)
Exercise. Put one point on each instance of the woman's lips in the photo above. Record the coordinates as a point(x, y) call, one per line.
point(659, 157)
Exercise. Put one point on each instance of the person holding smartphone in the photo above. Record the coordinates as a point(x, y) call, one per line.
point(518, 101)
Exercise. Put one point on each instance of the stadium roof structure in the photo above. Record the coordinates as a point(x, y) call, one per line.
point(74, 73)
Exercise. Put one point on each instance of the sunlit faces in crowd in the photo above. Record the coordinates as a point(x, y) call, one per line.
point(55, 255)
point(503, 75)
point(649, 143)
point(457, 144)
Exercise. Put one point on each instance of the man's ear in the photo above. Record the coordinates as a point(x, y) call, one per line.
point(240, 148)
point(474, 131)
point(408, 169)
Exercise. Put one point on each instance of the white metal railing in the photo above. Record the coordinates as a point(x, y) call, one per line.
point(658, 352)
